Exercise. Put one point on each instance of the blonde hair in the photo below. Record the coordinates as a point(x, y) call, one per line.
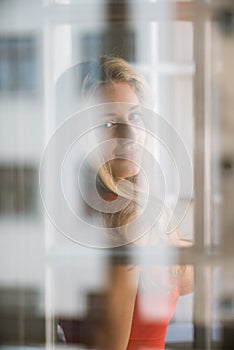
point(110, 70)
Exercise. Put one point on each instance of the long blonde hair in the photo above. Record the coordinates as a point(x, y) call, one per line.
point(109, 70)
point(112, 70)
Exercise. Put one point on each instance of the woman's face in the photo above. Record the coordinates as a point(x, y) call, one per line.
point(123, 129)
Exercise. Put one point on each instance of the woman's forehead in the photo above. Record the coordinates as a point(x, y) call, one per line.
point(117, 92)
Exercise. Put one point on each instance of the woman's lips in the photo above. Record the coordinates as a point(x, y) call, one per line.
point(127, 153)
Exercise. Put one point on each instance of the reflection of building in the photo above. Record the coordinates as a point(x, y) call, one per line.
point(19, 59)
point(19, 317)
point(13, 200)
point(21, 134)
point(82, 330)
point(38, 42)
point(26, 92)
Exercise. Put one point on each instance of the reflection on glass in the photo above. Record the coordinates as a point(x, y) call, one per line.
point(138, 301)
point(18, 64)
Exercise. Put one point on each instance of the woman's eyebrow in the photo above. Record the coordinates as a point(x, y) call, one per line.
point(111, 114)
point(134, 107)
point(116, 114)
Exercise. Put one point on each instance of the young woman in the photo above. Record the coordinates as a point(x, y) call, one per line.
point(139, 301)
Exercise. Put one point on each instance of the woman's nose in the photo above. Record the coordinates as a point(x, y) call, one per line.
point(127, 131)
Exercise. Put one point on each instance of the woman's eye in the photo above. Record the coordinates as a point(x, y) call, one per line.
point(135, 117)
point(109, 125)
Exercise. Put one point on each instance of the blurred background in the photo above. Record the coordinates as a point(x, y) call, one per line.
point(185, 50)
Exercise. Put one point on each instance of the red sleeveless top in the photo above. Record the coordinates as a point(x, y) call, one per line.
point(153, 309)
point(152, 312)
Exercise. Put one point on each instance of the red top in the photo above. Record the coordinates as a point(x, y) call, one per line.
point(152, 312)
